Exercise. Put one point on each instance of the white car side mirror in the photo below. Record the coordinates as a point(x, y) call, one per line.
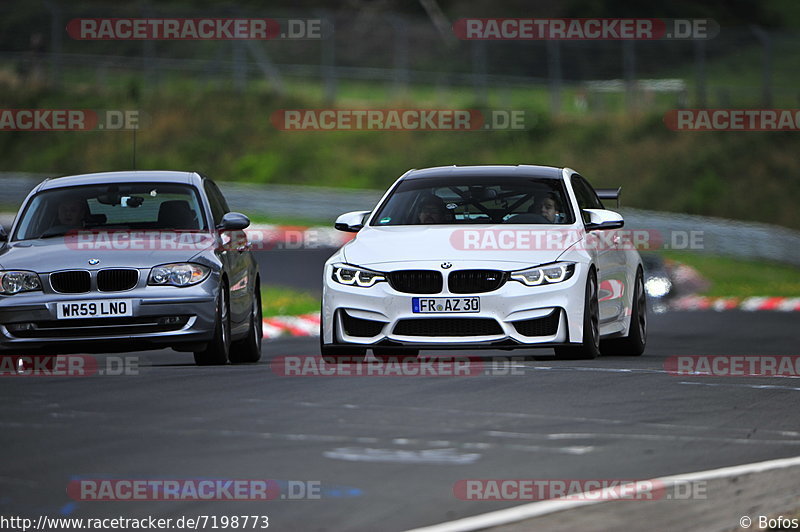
point(351, 222)
point(602, 219)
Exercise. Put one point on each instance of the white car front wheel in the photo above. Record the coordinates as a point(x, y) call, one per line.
point(634, 343)
point(590, 347)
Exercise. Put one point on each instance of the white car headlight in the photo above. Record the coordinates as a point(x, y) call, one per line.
point(178, 274)
point(547, 274)
point(14, 282)
point(354, 276)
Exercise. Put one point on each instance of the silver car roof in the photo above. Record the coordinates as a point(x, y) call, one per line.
point(130, 176)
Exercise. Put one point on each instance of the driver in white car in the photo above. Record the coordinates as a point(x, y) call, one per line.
point(432, 210)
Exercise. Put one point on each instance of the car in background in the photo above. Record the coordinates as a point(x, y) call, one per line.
point(125, 261)
point(658, 282)
point(484, 257)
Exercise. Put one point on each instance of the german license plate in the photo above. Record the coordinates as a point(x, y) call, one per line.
point(106, 308)
point(450, 305)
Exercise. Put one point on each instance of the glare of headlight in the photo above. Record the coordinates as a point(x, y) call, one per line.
point(657, 286)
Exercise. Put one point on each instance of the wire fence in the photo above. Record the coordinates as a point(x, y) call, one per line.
point(401, 52)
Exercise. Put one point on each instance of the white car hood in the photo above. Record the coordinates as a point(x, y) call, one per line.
point(375, 246)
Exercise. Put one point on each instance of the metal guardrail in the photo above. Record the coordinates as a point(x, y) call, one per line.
point(274, 200)
point(720, 236)
point(316, 203)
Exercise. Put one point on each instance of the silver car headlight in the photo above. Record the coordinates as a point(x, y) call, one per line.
point(178, 274)
point(547, 274)
point(14, 282)
point(354, 276)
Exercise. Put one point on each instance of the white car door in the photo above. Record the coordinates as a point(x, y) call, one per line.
point(612, 275)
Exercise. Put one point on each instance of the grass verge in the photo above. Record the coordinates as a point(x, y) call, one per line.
point(742, 278)
point(284, 301)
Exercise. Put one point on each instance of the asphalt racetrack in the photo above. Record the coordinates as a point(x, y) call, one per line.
point(384, 453)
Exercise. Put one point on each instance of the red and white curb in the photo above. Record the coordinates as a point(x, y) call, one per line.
point(781, 304)
point(303, 325)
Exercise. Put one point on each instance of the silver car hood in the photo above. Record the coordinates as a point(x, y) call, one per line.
point(53, 254)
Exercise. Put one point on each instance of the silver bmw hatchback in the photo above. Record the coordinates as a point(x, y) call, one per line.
point(126, 261)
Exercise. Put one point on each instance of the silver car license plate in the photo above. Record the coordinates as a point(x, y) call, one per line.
point(105, 308)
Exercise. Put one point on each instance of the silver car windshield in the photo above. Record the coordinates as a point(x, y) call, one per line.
point(476, 200)
point(119, 206)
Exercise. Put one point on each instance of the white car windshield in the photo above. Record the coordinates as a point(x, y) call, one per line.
point(476, 200)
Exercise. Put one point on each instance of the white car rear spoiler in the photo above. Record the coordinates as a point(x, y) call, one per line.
point(609, 194)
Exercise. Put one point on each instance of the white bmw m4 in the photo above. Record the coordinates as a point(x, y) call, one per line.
point(485, 257)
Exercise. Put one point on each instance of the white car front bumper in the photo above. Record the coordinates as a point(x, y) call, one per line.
point(514, 315)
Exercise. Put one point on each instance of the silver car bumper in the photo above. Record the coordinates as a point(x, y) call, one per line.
point(162, 317)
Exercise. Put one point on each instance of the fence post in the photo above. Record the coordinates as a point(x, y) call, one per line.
point(213, 67)
point(479, 81)
point(700, 72)
point(148, 52)
point(629, 70)
point(264, 63)
point(328, 63)
point(766, 65)
point(400, 71)
point(553, 48)
point(56, 36)
point(239, 66)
